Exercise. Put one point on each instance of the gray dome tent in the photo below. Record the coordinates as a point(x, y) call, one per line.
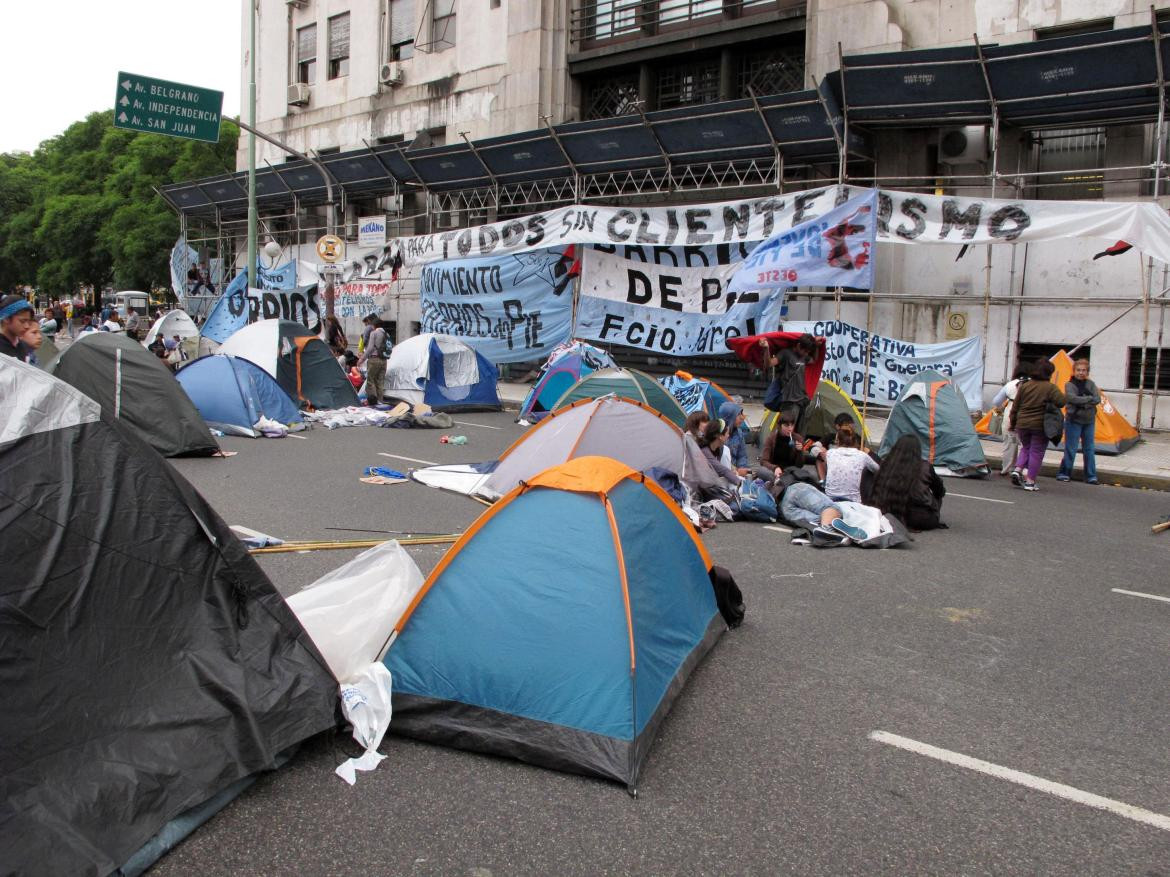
point(931, 408)
point(133, 387)
point(150, 667)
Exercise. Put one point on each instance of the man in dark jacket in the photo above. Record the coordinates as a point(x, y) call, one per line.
point(787, 392)
point(1080, 422)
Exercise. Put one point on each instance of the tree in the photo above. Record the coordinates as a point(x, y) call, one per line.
point(83, 208)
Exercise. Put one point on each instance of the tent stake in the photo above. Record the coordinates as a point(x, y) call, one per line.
point(357, 543)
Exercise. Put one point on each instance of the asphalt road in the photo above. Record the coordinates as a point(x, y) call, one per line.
point(999, 639)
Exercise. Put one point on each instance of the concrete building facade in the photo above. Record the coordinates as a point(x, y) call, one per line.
point(347, 75)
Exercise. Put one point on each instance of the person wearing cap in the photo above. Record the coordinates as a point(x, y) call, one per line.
point(16, 315)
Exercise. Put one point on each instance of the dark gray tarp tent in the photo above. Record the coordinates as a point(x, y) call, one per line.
point(134, 387)
point(931, 408)
point(147, 663)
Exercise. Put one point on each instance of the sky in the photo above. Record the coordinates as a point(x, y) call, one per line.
point(61, 58)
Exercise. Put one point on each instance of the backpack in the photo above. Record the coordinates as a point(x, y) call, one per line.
point(1053, 423)
point(755, 503)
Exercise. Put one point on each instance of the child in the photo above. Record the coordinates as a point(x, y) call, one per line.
point(846, 462)
point(1080, 422)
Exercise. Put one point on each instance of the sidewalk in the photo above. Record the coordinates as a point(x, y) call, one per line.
point(1146, 464)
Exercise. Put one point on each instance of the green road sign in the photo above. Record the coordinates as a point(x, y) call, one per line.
point(161, 107)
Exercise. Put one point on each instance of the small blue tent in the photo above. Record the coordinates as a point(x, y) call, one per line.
point(561, 626)
point(566, 365)
point(232, 394)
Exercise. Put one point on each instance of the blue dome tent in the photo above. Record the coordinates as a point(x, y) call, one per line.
point(562, 625)
point(442, 372)
point(232, 394)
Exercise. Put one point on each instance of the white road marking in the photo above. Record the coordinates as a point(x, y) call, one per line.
point(411, 459)
point(1139, 594)
point(1060, 790)
point(982, 498)
point(294, 435)
point(480, 425)
point(777, 529)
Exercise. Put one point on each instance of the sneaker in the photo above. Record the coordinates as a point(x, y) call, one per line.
point(1063, 478)
point(1017, 477)
point(1030, 485)
point(1093, 481)
point(855, 533)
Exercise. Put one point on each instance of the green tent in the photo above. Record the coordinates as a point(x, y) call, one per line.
point(828, 402)
point(931, 408)
point(629, 383)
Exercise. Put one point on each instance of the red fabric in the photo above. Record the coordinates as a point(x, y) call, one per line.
point(748, 349)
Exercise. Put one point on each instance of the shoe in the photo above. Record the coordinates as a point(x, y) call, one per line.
point(1063, 478)
point(1017, 477)
point(1030, 485)
point(855, 533)
point(1093, 481)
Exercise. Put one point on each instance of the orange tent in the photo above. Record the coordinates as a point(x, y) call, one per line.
point(1113, 435)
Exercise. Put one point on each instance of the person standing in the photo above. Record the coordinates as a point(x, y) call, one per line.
point(16, 315)
point(1003, 403)
point(49, 325)
point(133, 321)
point(1032, 400)
point(374, 356)
point(1080, 423)
point(787, 392)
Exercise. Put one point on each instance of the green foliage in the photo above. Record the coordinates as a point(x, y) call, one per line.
point(82, 209)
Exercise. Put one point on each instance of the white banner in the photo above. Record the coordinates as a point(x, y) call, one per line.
point(669, 310)
point(357, 300)
point(892, 362)
point(902, 217)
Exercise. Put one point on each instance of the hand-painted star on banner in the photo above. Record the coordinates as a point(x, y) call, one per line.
point(835, 249)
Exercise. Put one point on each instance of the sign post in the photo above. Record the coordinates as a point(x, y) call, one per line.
point(158, 106)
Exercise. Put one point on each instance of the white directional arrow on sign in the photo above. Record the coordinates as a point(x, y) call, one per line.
point(122, 118)
point(124, 101)
point(126, 84)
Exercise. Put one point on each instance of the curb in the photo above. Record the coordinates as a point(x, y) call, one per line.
point(1139, 480)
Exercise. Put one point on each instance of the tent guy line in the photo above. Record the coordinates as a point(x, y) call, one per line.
point(410, 459)
point(1140, 594)
point(777, 529)
point(480, 425)
point(981, 498)
point(1060, 790)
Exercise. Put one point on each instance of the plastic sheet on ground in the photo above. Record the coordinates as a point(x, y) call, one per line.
point(354, 415)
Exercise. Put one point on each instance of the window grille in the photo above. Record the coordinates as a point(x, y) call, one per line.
point(774, 71)
point(615, 96)
point(688, 84)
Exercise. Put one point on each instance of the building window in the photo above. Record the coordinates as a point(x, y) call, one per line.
point(1157, 369)
point(339, 45)
point(307, 54)
point(685, 11)
point(1029, 353)
point(402, 29)
point(773, 71)
point(1070, 160)
point(613, 18)
point(696, 82)
point(442, 25)
point(615, 95)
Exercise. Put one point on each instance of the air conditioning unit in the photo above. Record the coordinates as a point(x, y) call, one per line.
point(967, 145)
point(391, 74)
point(298, 94)
point(297, 4)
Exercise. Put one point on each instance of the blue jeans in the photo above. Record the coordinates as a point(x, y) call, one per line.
point(1079, 434)
point(802, 504)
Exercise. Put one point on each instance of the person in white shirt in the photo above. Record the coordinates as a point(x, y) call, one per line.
point(846, 463)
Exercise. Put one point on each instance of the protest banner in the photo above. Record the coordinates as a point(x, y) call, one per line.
point(836, 249)
point(902, 217)
point(511, 309)
point(676, 311)
point(356, 300)
point(239, 306)
point(893, 362)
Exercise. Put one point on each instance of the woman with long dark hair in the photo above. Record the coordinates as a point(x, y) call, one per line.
point(907, 486)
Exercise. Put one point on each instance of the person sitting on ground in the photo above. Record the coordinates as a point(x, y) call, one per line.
point(907, 487)
point(732, 415)
point(711, 443)
point(16, 315)
point(845, 462)
point(784, 447)
point(1080, 423)
point(696, 422)
point(1032, 400)
point(802, 505)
